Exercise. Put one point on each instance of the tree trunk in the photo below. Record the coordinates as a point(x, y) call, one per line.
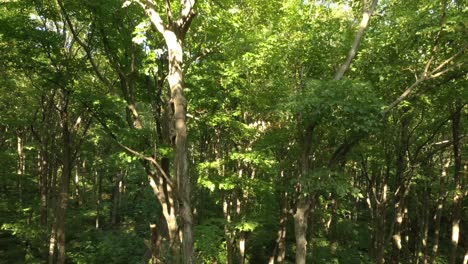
point(61, 206)
point(21, 166)
point(155, 244)
point(52, 243)
point(401, 188)
point(179, 103)
point(242, 241)
point(300, 229)
point(381, 214)
point(227, 229)
point(44, 172)
point(115, 219)
point(174, 34)
point(280, 247)
point(425, 228)
point(98, 182)
point(165, 196)
point(458, 195)
point(439, 211)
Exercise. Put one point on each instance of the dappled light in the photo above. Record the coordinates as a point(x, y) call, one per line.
point(233, 132)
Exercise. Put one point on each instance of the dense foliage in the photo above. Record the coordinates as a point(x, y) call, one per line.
point(222, 131)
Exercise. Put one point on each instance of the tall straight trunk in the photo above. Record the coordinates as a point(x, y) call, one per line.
point(21, 166)
point(63, 195)
point(227, 229)
point(425, 229)
point(115, 219)
point(44, 172)
point(279, 252)
point(300, 229)
point(439, 210)
point(52, 244)
point(58, 229)
point(242, 241)
point(303, 204)
point(458, 194)
point(98, 183)
point(401, 189)
point(381, 209)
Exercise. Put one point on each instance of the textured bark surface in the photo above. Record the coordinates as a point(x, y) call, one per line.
point(300, 229)
point(174, 34)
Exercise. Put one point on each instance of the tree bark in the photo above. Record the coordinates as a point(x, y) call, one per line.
point(401, 188)
point(458, 195)
point(300, 229)
point(366, 14)
point(98, 183)
point(174, 35)
point(227, 229)
point(439, 210)
point(181, 160)
point(58, 232)
point(116, 217)
point(21, 165)
point(242, 241)
point(279, 252)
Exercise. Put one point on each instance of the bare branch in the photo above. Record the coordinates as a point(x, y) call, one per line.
point(434, 74)
point(448, 60)
point(402, 97)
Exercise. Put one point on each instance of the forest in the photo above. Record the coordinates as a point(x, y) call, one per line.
point(233, 131)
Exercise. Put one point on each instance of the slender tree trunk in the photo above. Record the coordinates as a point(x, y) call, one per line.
point(300, 229)
point(380, 228)
point(115, 219)
point(67, 167)
point(401, 188)
point(44, 172)
point(458, 195)
point(242, 241)
point(280, 248)
point(439, 210)
point(62, 202)
point(52, 243)
point(155, 244)
point(98, 181)
point(425, 228)
point(21, 166)
point(227, 229)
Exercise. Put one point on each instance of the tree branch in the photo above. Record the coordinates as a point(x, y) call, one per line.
point(148, 7)
point(84, 46)
point(366, 14)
